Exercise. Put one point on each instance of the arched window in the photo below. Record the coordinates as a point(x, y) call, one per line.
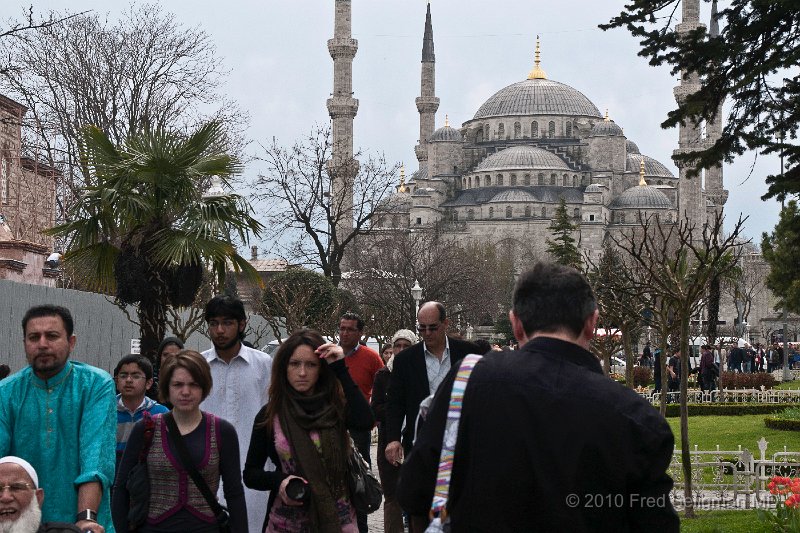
point(487, 133)
point(565, 181)
point(551, 129)
point(479, 135)
point(488, 180)
point(544, 212)
point(527, 211)
point(527, 179)
point(569, 129)
point(517, 130)
point(513, 180)
point(501, 131)
point(455, 216)
point(574, 180)
point(534, 129)
point(491, 212)
point(541, 179)
point(500, 179)
point(468, 182)
point(576, 213)
point(508, 212)
point(660, 182)
point(5, 179)
point(471, 214)
point(552, 179)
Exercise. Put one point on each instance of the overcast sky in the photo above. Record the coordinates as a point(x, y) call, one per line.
point(281, 73)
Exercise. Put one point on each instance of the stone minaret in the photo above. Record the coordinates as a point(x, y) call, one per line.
point(342, 108)
point(427, 103)
point(714, 185)
point(690, 197)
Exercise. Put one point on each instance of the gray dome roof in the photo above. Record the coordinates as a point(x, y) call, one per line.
point(594, 187)
point(550, 194)
point(514, 195)
point(606, 128)
point(641, 197)
point(537, 97)
point(651, 166)
point(420, 174)
point(522, 157)
point(631, 147)
point(446, 133)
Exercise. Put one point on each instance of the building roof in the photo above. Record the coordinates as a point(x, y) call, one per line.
point(631, 147)
point(550, 194)
point(522, 158)
point(641, 197)
point(606, 128)
point(651, 166)
point(537, 97)
point(446, 133)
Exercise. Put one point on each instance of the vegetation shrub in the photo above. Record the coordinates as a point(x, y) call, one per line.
point(788, 419)
point(642, 376)
point(728, 409)
point(744, 380)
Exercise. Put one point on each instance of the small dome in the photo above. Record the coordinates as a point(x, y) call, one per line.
point(446, 134)
point(631, 147)
point(421, 174)
point(641, 197)
point(606, 128)
point(594, 187)
point(537, 97)
point(514, 195)
point(522, 158)
point(651, 166)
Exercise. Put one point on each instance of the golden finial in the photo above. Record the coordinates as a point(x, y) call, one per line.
point(446, 121)
point(402, 186)
point(537, 73)
point(607, 119)
point(642, 183)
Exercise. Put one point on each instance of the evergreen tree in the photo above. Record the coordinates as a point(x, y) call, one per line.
point(782, 253)
point(563, 247)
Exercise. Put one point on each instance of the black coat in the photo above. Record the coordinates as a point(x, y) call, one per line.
point(546, 442)
point(408, 386)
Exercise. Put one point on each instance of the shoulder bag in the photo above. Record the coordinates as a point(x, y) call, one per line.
point(440, 522)
point(366, 492)
point(138, 483)
point(220, 512)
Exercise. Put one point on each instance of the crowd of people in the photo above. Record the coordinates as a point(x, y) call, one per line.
point(240, 441)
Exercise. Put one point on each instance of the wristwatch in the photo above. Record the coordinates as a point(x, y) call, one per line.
point(86, 514)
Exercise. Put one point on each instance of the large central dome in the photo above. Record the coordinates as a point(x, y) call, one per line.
point(537, 97)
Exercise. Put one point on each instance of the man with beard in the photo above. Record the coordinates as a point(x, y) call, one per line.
point(60, 416)
point(21, 500)
point(241, 382)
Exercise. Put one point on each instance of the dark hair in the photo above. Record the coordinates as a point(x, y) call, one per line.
point(225, 306)
point(143, 362)
point(167, 341)
point(349, 315)
point(192, 362)
point(279, 388)
point(49, 310)
point(483, 345)
point(5, 370)
point(385, 347)
point(550, 297)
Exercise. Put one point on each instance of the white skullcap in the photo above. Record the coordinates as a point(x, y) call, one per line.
point(25, 465)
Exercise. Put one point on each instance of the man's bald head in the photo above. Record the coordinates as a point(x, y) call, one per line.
point(432, 324)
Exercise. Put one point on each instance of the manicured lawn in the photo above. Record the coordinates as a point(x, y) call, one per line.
point(724, 522)
point(795, 385)
point(730, 431)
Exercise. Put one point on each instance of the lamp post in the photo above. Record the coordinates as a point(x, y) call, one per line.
point(416, 293)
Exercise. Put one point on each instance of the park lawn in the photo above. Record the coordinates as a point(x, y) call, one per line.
point(731, 431)
point(794, 385)
point(724, 522)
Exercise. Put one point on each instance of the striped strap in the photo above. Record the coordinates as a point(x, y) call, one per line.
point(451, 434)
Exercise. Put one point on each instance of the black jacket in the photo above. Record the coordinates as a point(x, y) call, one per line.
point(546, 442)
point(408, 386)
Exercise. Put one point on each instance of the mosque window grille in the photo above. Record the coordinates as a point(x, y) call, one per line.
point(500, 180)
point(552, 179)
point(527, 179)
point(551, 129)
point(569, 129)
point(565, 181)
point(544, 212)
point(517, 130)
point(501, 131)
point(491, 212)
point(471, 214)
point(527, 211)
point(513, 180)
point(576, 213)
point(488, 181)
point(540, 178)
point(534, 129)
point(509, 212)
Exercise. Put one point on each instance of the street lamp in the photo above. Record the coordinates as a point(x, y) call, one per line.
point(416, 293)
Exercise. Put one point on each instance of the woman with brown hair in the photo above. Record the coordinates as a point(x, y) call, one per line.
point(175, 502)
point(313, 401)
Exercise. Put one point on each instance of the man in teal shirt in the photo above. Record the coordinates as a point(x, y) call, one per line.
point(60, 416)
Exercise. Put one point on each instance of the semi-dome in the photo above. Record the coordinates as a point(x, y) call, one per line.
point(631, 147)
point(651, 166)
point(606, 128)
point(514, 195)
point(641, 197)
point(522, 157)
point(537, 97)
point(594, 187)
point(445, 134)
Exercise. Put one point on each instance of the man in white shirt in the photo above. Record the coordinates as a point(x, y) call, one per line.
point(241, 381)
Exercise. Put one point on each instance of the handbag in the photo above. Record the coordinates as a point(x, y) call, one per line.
point(219, 510)
point(440, 522)
point(138, 483)
point(366, 492)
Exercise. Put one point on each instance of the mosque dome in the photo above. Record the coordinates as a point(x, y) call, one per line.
point(513, 195)
point(641, 197)
point(651, 166)
point(606, 128)
point(594, 187)
point(446, 134)
point(522, 157)
point(537, 97)
point(631, 147)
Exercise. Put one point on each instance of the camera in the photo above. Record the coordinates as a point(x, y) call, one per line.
point(298, 490)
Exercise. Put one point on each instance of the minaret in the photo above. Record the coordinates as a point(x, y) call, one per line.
point(690, 197)
point(427, 103)
point(342, 108)
point(714, 184)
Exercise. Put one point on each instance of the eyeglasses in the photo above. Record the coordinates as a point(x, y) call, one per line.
point(122, 376)
point(422, 328)
point(16, 488)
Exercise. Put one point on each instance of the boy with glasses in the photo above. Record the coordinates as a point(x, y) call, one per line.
point(133, 376)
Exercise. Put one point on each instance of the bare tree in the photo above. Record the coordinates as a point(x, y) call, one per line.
point(675, 263)
point(296, 193)
point(743, 286)
point(29, 21)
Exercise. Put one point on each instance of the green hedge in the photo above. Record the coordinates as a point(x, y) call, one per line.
point(788, 424)
point(729, 409)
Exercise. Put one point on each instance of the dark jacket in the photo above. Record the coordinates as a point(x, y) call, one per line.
point(58, 527)
point(408, 386)
point(546, 442)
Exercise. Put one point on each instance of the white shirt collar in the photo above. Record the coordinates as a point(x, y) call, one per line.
point(446, 347)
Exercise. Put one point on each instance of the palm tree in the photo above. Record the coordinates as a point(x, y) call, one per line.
point(145, 231)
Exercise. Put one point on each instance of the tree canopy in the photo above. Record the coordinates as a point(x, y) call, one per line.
point(781, 250)
point(563, 247)
point(751, 63)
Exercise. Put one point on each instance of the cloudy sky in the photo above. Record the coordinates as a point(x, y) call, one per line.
point(281, 73)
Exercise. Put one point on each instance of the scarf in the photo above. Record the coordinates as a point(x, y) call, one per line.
point(325, 469)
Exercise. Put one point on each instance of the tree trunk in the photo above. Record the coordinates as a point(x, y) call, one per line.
point(685, 455)
point(152, 319)
point(628, 349)
point(713, 310)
